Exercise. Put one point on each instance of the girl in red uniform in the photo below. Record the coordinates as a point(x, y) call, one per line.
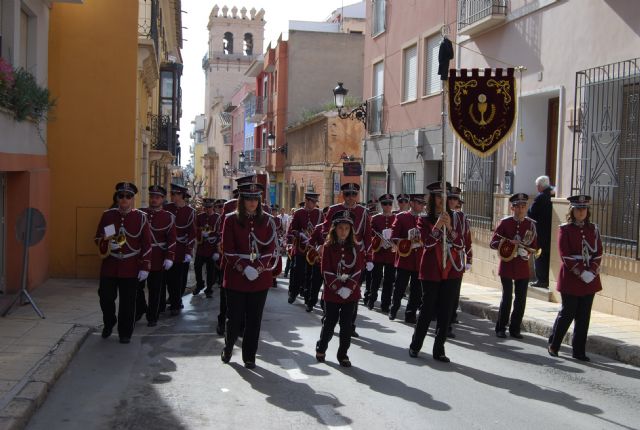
point(249, 237)
point(342, 266)
point(579, 279)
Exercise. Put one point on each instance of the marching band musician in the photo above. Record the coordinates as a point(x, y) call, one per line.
point(163, 247)
point(342, 265)
point(314, 258)
point(405, 234)
point(304, 221)
point(207, 250)
point(185, 217)
point(279, 245)
point(438, 282)
point(403, 203)
point(124, 240)
point(579, 278)
point(383, 251)
point(361, 226)
point(515, 239)
point(249, 237)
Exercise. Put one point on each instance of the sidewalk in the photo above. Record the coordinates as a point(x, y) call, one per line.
point(611, 336)
point(35, 352)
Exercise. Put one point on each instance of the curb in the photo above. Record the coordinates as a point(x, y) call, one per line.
point(608, 347)
point(16, 415)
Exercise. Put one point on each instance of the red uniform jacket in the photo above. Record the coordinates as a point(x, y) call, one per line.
point(378, 223)
point(337, 261)
point(163, 237)
point(361, 225)
point(577, 245)
point(466, 233)
point(185, 229)
point(135, 254)
point(431, 260)
point(317, 237)
point(207, 246)
point(252, 244)
point(404, 222)
point(518, 268)
point(303, 221)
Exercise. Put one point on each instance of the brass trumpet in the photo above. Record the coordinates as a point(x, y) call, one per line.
point(121, 238)
point(507, 253)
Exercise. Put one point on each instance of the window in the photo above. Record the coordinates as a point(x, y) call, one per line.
point(247, 45)
point(409, 182)
point(227, 43)
point(379, 7)
point(378, 78)
point(432, 82)
point(477, 180)
point(410, 73)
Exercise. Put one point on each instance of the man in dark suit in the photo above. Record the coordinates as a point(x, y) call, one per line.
point(540, 211)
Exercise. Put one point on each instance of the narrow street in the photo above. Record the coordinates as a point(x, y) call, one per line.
point(171, 376)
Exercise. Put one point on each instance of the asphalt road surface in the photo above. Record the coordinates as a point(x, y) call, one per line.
point(171, 377)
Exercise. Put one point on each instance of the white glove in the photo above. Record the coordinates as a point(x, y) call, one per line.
point(522, 252)
point(113, 245)
point(413, 233)
point(167, 264)
point(467, 267)
point(369, 266)
point(251, 273)
point(587, 276)
point(205, 234)
point(386, 233)
point(344, 292)
point(216, 257)
point(142, 275)
point(187, 258)
point(344, 277)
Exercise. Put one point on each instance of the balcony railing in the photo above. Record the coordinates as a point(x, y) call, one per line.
point(161, 133)
point(148, 25)
point(256, 158)
point(375, 114)
point(475, 16)
point(257, 109)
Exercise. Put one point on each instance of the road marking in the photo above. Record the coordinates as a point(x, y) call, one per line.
point(292, 369)
point(332, 419)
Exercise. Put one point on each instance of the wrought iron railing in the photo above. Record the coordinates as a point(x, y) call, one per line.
point(606, 151)
point(256, 158)
point(477, 180)
point(375, 114)
point(161, 133)
point(148, 25)
point(472, 11)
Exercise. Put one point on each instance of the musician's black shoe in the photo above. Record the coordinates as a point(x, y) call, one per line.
point(392, 314)
point(413, 353)
point(384, 310)
point(552, 352)
point(537, 284)
point(501, 334)
point(152, 323)
point(290, 300)
point(581, 357)
point(220, 329)
point(249, 364)
point(309, 308)
point(410, 319)
point(106, 331)
point(451, 334)
point(225, 356)
point(441, 357)
point(516, 335)
point(174, 312)
point(354, 333)
point(125, 340)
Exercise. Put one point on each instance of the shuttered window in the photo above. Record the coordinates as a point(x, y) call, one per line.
point(378, 79)
point(409, 182)
point(379, 7)
point(410, 73)
point(432, 83)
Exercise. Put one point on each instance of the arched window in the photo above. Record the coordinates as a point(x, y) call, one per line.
point(247, 48)
point(227, 43)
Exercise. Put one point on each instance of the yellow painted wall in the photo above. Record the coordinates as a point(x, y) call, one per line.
point(92, 73)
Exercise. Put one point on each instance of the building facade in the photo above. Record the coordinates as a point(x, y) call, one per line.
point(579, 123)
point(403, 146)
point(115, 120)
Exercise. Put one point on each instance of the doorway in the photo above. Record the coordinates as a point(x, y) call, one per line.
point(552, 137)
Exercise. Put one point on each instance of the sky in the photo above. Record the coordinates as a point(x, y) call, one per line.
point(278, 13)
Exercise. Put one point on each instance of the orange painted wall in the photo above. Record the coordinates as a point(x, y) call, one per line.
point(27, 186)
point(92, 72)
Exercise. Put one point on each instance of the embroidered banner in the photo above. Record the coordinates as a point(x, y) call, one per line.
point(482, 109)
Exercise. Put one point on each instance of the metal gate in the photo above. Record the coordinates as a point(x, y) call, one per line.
point(606, 151)
point(477, 180)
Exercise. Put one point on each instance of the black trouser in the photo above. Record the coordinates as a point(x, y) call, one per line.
point(402, 279)
point(334, 312)
point(210, 266)
point(386, 274)
point(174, 282)
point(155, 285)
point(316, 282)
point(367, 282)
point(287, 267)
point(108, 291)
point(184, 277)
point(222, 315)
point(300, 275)
point(454, 302)
point(141, 302)
point(436, 300)
point(244, 308)
point(518, 304)
point(576, 308)
point(541, 265)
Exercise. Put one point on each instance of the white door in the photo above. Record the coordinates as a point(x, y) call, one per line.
point(3, 230)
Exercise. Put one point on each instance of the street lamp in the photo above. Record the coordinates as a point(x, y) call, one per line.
point(271, 140)
point(358, 113)
point(241, 157)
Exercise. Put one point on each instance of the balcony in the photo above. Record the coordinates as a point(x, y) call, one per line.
point(148, 25)
point(476, 16)
point(255, 158)
point(161, 133)
point(375, 114)
point(257, 109)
